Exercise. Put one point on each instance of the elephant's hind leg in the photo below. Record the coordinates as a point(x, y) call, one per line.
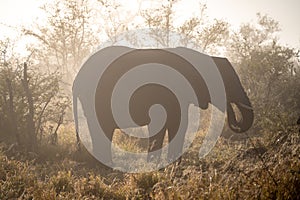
point(103, 148)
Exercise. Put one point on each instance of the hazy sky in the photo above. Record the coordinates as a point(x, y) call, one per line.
point(287, 12)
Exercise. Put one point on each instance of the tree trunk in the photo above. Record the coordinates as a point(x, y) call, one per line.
point(32, 139)
point(12, 116)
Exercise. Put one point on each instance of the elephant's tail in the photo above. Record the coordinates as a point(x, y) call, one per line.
point(75, 111)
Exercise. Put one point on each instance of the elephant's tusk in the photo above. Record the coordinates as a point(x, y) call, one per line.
point(244, 106)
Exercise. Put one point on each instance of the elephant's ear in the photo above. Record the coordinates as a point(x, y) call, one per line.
point(232, 83)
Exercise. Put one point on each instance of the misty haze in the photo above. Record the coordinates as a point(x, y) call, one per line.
point(47, 95)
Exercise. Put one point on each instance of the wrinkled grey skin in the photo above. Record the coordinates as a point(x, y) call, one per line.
point(155, 94)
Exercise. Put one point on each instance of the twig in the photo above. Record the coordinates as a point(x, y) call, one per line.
point(262, 160)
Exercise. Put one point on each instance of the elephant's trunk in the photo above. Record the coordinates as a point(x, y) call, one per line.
point(246, 119)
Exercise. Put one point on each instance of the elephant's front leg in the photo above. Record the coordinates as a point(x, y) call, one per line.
point(155, 146)
point(177, 128)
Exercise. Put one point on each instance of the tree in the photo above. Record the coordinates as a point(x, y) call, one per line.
point(269, 73)
point(29, 100)
point(115, 19)
point(66, 38)
point(206, 35)
point(161, 20)
point(253, 36)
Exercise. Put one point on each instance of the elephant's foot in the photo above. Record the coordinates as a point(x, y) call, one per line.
point(154, 157)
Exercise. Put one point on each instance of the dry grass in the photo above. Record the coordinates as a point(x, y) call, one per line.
point(257, 169)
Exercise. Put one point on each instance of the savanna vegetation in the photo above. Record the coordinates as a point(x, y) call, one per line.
point(41, 156)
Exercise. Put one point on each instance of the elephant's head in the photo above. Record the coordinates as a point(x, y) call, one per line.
point(235, 96)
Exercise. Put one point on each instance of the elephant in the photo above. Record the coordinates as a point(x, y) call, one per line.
point(95, 94)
